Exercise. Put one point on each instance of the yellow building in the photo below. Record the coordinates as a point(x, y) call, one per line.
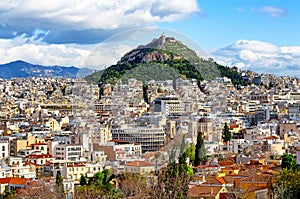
point(21, 143)
point(74, 171)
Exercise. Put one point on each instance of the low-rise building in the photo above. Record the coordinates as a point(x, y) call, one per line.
point(139, 167)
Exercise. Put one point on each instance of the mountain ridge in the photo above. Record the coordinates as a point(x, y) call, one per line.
point(23, 69)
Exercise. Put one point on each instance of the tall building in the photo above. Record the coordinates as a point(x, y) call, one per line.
point(168, 105)
point(150, 137)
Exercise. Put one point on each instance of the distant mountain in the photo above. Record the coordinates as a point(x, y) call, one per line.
point(21, 69)
point(161, 59)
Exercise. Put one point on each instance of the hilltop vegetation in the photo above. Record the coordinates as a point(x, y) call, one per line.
point(163, 59)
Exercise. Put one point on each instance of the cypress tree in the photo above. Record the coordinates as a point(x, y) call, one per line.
point(200, 153)
point(226, 134)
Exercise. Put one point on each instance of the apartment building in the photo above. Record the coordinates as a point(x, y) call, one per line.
point(68, 152)
point(4, 152)
point(151, 138)
point(169, 105)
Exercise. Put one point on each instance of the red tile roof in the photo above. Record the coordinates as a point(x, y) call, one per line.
point(42, 143)
point(19, 181)
point(139, 164)
point(76, 165)
point(226, 163)
point(40, 156)
point(214, 181)
point(221, 180)
point(204, 191)
point(255, 178)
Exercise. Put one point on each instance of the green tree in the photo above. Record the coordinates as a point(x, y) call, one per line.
point(287, 184)
point(288, 161)
point(226, 134)
point(59, 179)
point(83, 180)
point(200, 153)
point(190, 152)
point(59, 184)
point(98, 187)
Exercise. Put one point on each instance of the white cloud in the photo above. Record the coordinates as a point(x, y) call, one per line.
point(261, 57)
point(93, 14)
point(21, 48)
point(248, 55)
point(273, 11)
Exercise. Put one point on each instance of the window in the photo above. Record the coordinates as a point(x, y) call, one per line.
point(3, 155)
point(3, 148)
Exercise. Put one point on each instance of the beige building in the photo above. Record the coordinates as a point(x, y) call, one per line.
point(74, 171)
point(21, 143)
point(284, 128)
point(140, 167)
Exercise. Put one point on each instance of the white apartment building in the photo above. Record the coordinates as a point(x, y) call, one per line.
point(151, 138)
point(68, 152)
point(169, 105)
point(125, 149)
point(18, 169)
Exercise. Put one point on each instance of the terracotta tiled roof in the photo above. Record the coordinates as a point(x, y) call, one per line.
point(19, 181)
point(139, 164)
point(76, 165)
point(221, 180)
point(204, 191)
point(40, 156)
point(214, 181)
point(255, 178)
point(226, 163)
point(4, 180)
point(38, 144)
point(245, 173)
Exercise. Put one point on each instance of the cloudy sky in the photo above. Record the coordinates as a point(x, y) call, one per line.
point(261, 35)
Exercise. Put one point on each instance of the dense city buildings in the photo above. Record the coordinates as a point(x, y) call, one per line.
point(62, 125)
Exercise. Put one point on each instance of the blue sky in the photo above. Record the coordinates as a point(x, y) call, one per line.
point(261, 35)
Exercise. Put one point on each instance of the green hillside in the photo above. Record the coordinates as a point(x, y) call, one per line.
point(162, 59)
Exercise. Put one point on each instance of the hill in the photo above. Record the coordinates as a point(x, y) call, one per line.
point(163, 58)
point(21, 69)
